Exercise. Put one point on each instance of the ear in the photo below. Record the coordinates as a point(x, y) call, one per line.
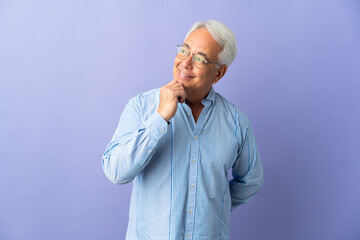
point(220, 72)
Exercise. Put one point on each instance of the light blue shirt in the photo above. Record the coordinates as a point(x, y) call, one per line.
point(181, 188)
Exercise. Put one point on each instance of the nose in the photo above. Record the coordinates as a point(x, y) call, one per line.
point(187, 63)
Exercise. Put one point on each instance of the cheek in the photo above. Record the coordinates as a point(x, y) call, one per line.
point(204, 74)
point(208, 76)
point(176, 63)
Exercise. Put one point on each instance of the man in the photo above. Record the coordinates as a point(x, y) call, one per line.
point(177, 143)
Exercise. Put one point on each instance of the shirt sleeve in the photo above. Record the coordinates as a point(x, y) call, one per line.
point(133, 143)
point(247, 170)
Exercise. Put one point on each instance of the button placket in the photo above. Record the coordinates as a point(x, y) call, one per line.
point(192, 182)
point(193, 170)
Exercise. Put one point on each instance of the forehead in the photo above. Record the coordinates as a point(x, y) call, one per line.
point(201, 40)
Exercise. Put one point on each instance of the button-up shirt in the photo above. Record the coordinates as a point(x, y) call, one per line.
point(181, 188)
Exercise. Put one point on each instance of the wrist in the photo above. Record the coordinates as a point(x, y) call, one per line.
point(166, 118)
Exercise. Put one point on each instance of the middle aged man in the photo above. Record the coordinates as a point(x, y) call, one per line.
point(177, 143)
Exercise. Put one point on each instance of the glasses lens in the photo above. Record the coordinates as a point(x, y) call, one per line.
point(182, 52)
point(199, 61)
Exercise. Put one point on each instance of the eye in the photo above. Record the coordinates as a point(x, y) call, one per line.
point(184, 51)
point(200, 59)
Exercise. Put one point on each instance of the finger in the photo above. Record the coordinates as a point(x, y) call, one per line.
point(173, 82)
point(181, 100)
point(182, 95)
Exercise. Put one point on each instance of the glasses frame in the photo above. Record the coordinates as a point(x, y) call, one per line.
point(192, 59)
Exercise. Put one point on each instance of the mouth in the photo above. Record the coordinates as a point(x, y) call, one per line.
point(184, 75)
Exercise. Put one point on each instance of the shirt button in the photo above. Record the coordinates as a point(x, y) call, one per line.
point(188, 235)
point(192, 185)
point(162, 130)
point(194, 160)
point(195, 137)
point(189, 114)
point(190, 210)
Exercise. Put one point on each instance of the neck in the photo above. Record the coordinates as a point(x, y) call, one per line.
point(196, 108)
point(194, 105)
point(194, 101)
point(194, 98)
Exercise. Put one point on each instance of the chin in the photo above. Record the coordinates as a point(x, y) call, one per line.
point(183, 82)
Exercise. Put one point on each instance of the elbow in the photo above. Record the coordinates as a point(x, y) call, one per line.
point(256, 186)
point(114, 173)
point(242, 191)
point(117, 178)
point(260, 183)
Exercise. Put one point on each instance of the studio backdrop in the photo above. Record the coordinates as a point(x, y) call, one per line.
point(67, 69)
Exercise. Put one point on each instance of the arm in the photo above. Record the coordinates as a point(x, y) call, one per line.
point(247, 170)
point(133, 144)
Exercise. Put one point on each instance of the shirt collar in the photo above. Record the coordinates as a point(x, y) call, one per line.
point(210, 97)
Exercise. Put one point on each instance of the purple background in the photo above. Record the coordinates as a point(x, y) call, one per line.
point(67, 68)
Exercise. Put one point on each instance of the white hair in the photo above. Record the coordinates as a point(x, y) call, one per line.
point(223, 36)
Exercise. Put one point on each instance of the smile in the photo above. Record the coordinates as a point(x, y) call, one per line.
point(184, 75)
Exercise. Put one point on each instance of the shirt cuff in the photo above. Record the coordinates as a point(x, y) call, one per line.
point(156, 125)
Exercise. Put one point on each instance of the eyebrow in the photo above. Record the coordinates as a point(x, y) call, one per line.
point(200, 53)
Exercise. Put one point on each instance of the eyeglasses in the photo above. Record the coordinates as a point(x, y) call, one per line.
point(198, 60)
